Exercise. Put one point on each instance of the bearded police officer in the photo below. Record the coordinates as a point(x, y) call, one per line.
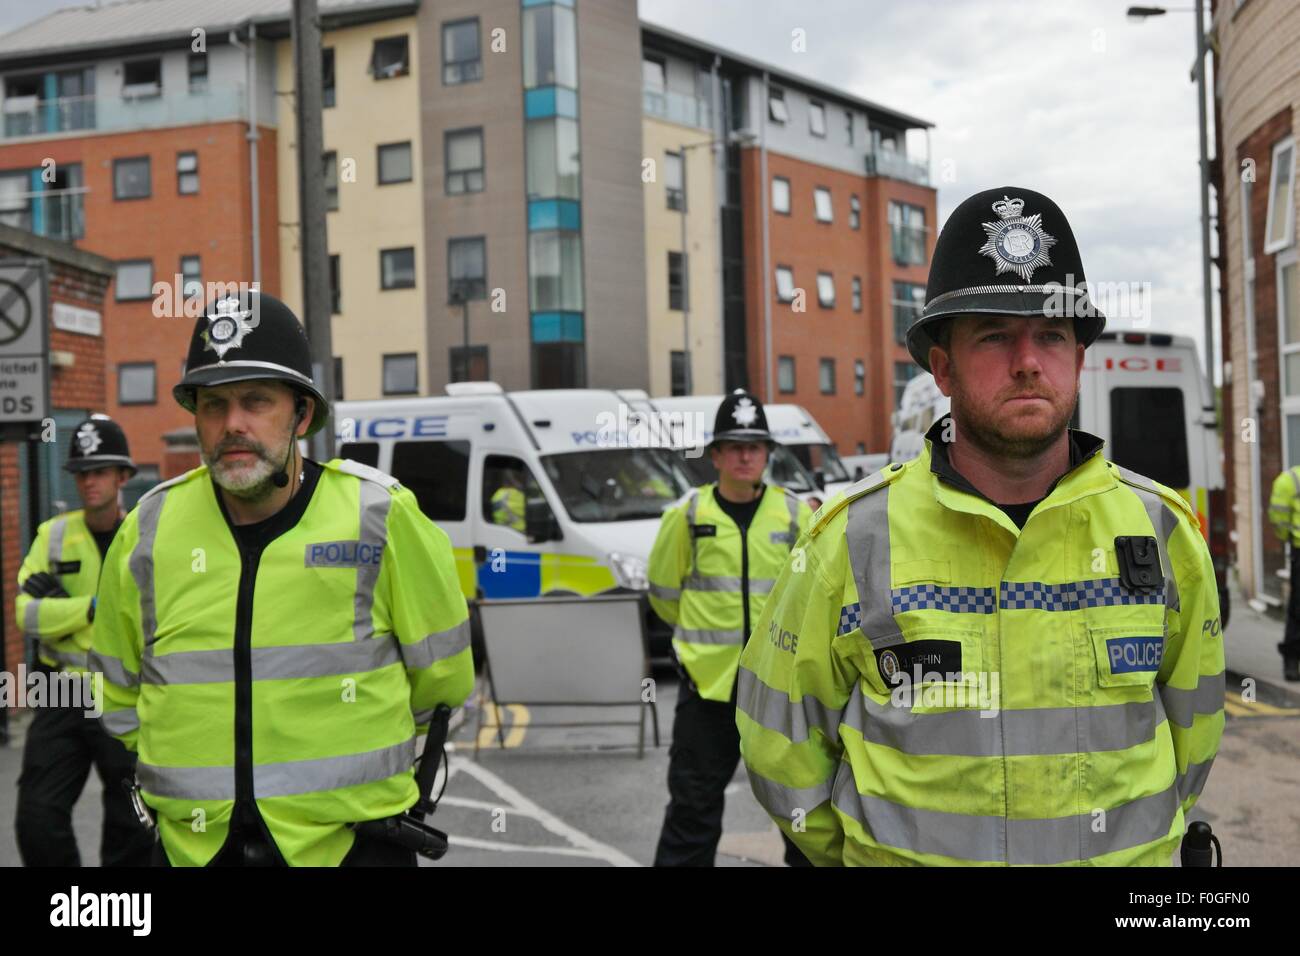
point(273, 631)
point(714, 561)
point(1008, 648)
point(56, 606)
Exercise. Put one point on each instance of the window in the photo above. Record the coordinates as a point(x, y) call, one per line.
point(1147, 431)
point(776, 105)
point(508, 489)
point(187, 173)
point(857, 294)
point(784, 284)
point(136, 383)
point(466, 269)
point(131, 178)
point(1280, 229)
point(336, 290)
point(331, 181)
point(550, 47)
point(909, 299)
point(785, 373)
point(460, 53)
point(552, 158)
point(674, 183)
point(904, 372)
point(855, 212)
point(555, 271)
point(677, 372)
point(825, 290)
point(141, 78)
point(469, 364)
point(817, 119)
point(437, 472)
point(363, 452)
point(198, 72)
point(822, 204)
point(389, 58)
point(397, 268)
point(559, 365)
point(463, 149)
point(191, 277)
point(338, 397)
point(15, 202)
point(907, 234)
point(859, 380)
point(401, 374)
point(654, 75)
point(134, 280)
point(781, 194)
point(394, 163)
point(848, 128)
point(676, 281)
point(826, 376)
point(1288, 299)
point(327, 77)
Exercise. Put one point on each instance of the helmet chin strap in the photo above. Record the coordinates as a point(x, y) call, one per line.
point(281, 478)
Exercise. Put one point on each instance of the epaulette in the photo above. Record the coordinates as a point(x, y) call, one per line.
point(854, 491)
point(364, 472)
point(1146, 484)
point(179, 479)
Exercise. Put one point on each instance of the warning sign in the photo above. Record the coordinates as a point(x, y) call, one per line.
point(24, 349)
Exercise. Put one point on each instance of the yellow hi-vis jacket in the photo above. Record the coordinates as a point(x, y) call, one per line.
point(1284, 506)
point(960, 691)
point(703, 569)
point(65, 548)
point(298, 679)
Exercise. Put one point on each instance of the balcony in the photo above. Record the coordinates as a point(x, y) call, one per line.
point(892, 164)
point(678, 108)
point(27, 116)
point(54, 214)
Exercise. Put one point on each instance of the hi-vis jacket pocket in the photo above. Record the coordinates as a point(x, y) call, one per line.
point(1127, 656)
point(938, 666)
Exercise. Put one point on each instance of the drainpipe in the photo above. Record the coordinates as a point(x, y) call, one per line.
point(250, 85)
point(1254, 397)
point(769, 395)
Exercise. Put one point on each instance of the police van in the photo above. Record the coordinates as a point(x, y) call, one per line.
point(543, 493)
point(793, 427)
point(1146, 396)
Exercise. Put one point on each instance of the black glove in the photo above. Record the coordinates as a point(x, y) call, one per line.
point(42, 584)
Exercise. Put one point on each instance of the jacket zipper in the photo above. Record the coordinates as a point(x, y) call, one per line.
point(744, 578)
point(244, 802)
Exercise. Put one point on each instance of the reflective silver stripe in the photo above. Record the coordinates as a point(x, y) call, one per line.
point(78, 659)
point(1163, 520)
point(119, 722)
point(271, 663)
point(1193, 781)
point(773, 710)
point(278, 779)
point(705, 636)
point(375, 502)
point(722, 582)
point(792, 504)
point(32, 617)
point(113, 669)
point(1183, 705)
point(1038, 731)
point(867, 532)
point(665, 593)
point(141, 563)
point(996, 839)
point(782, 801)
point(56, 540)
point(436, 647)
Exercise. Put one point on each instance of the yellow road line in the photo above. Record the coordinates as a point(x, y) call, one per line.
point(515, 729)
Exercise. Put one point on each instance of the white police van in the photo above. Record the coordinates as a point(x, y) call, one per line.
point(543, 493)
point(1146, 396)
point(793, 427)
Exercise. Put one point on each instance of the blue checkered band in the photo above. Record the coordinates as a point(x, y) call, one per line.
point(937, 597)
point(1020, 595)
point(850, 618)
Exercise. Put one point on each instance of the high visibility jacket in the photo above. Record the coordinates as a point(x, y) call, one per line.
point(1284, 506)
point(298, 679)
point(1044, 711)
point(65, 548)
point(508, 508)
point(711, 580)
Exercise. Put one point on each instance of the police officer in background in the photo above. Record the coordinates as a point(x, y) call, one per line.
point(714, 561)
point(56, 606)
point(1008, 648)
point(1284, 516)
point(273, 631)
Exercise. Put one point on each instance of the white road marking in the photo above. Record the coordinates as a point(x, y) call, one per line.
point(476, 844)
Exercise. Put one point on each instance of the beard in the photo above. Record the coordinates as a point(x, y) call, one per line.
point(1012, 436)
point(251, 480)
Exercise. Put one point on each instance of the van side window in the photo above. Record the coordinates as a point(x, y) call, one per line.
point(508, 488)
point(1148, 434)
point(365, 452)
point(438, 473)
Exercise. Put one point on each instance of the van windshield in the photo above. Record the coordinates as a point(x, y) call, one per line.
point(822, 458)
point(1148, 433)
point(617, 484)
point(783, 469)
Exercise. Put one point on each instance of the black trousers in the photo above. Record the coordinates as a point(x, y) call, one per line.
point(1290, 646)
point(62, 744)
point(701, 762)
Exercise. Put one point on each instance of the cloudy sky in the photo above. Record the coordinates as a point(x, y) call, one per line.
point(1067, 97)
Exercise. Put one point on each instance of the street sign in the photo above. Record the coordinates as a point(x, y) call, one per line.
point(24, 343)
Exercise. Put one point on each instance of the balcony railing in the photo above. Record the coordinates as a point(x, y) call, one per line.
point(678, 108)
point(55, 214)
point(894, 165)
point(27, 116)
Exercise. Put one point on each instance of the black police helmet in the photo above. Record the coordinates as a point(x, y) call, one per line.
point(99, 442)
point(740, 418)
point(1005, 251)
point(249, 336)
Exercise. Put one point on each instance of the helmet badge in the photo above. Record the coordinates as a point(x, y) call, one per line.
point(745, 413)
point(227, 326)
point(88, 439)
point(1016, 243)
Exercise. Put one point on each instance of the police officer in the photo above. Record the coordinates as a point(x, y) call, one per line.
point(56, 605)
point(714, 561)
point(1008, 648)
point(274, 631)
point(1284, 515)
